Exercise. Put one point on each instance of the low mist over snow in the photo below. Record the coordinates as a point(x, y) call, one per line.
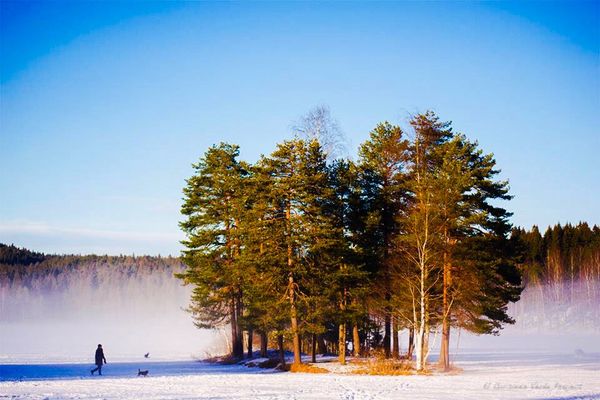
point(567, 307)
point(561, 317)
point(58, 308)
point(131, 305)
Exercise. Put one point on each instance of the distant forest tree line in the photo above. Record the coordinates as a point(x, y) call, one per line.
point(566, 253)
point(35, 285)
point(29, 269)
point(562, 267)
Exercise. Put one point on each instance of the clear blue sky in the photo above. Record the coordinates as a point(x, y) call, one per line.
point(105, 105)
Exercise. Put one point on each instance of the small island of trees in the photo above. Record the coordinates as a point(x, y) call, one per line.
point(310, 250)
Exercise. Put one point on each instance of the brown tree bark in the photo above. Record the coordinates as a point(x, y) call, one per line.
point(233, 328)
point(387, 334)
point(313, 350)
point(355, 341)
point(250, 338)
point(281, 350)
point(342, 344)
point(294, 321)
point(395, 340)
point(444, 359)
point(321, 345)
point(292, 292)
point(342, 329)
point(264, 342)
point(239, 351)
point(237, 345)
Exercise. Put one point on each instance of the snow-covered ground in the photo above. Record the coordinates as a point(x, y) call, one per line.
point(549, 354)
point(503, 375)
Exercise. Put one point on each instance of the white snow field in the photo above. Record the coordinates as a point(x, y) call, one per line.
point(503, 375)
point(47, 342)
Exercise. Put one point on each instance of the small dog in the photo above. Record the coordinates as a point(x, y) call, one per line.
point(142, 373)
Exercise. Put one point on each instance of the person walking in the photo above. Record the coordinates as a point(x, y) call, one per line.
point(99, 359)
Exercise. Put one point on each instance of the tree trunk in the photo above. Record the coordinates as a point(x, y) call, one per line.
point(355, 341)
point(342, 327)
point(313, 350)
point(387, 335)
point(264, 342)
point(427, 333)
point(342, 344)
point(281, 350)
point(445, 347)
point(322, 345)
point(233, 328)
point(420, 346)
point(387, 224)
point(421, 322)
point(237, 346)
point(292, 293)
point(240, 333)
point(444, 361)
point(411, 343)
point(395, 340)
point(250, 338)
point(294, 322)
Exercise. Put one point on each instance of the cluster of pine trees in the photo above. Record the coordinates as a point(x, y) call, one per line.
point(309, 250)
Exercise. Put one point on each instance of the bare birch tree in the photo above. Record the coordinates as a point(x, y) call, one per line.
point(318, 124)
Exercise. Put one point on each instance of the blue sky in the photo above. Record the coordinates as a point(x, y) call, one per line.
point(104, 105)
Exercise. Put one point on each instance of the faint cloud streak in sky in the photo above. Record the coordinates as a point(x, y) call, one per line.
point(44, 229)
point(40, 236)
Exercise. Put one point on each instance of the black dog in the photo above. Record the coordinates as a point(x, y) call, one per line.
point(142, 373)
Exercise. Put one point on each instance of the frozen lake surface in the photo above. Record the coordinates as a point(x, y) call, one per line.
point(26, 372)
point(502, 375)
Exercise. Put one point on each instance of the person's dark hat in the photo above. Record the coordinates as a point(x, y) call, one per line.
point(99, 345)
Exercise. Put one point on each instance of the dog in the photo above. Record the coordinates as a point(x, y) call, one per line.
point(142, 373)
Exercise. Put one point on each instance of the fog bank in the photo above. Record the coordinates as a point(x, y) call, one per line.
point(559, 317)
point(133, 306)
point(131, 312)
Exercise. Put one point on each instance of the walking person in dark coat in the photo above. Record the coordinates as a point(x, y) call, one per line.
point(99, 359)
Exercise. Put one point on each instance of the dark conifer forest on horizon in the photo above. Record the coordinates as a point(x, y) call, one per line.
point(314, 253)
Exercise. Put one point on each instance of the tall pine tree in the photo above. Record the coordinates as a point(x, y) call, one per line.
point(214, 204)
point(297, 189)
point(382, 173)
